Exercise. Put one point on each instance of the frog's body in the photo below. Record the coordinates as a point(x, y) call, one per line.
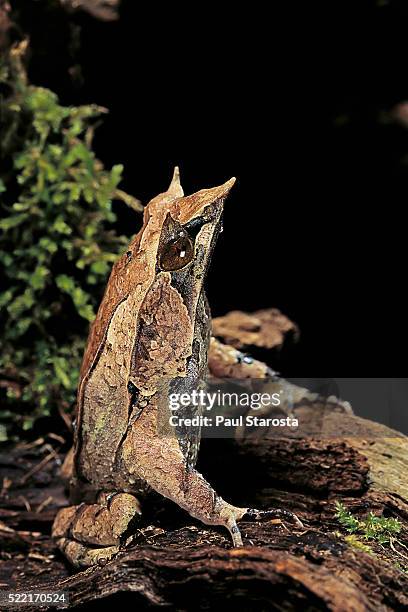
point(152, 331)
point(143, 336)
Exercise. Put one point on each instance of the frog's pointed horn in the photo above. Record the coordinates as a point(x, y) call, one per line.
point(175, 189)
point(191, 206)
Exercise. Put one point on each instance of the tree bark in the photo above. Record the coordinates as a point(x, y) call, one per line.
point(180, 563)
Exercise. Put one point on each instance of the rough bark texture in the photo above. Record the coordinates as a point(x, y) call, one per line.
point(264, 328)
point(177, 562)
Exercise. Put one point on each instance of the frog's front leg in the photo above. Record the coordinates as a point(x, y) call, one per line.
point(225, 361)
point(91, 534)
point(159, 461)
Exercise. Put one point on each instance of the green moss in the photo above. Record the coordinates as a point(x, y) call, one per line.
point(353, 541)
point(374, 535)
point(57, 243)
point(376, 528)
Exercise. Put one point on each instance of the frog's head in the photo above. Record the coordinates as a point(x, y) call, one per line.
point(188, 229)
point(174, 251)
point(174, 244)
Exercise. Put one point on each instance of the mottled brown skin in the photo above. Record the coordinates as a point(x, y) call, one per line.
point(151, 333)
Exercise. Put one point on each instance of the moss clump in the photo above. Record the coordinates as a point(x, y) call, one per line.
point(375, 528)
point(57, 243)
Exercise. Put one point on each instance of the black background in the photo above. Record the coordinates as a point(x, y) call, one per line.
point(293, 99)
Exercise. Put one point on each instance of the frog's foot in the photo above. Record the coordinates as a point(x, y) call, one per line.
point(275, 513)
point(93, 534)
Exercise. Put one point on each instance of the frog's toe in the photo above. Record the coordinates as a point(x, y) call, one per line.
point(81, 555)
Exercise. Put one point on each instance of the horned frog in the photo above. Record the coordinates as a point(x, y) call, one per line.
point(152, 332)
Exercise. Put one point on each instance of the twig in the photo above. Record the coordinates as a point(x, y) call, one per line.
point(397, 551)
point(44, 504)
point(130, 200)
point(37, 467)
point(54, 436)
point(25, 502)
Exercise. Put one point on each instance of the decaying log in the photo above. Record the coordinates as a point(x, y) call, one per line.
point(106, 10)
point(177, 562)
point(264, 328)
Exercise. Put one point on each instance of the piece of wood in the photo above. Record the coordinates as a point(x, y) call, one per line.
point(264, 328)
point(106, 10)
point(177, 562)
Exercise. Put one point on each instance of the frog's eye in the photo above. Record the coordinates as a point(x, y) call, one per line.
point(177, 252)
